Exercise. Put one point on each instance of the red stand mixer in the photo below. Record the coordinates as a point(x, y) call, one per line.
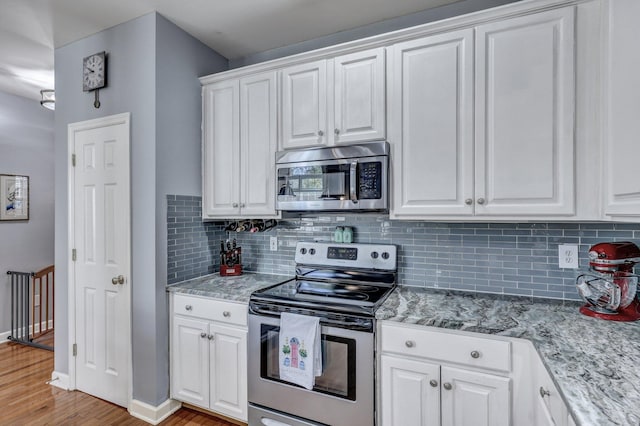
point(610, 286)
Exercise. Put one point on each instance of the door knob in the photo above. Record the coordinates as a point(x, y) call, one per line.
point(320, 133)
point(447, 386)
point(433, 383)
point(481, 200)
point(117, 280)
point(468, 201)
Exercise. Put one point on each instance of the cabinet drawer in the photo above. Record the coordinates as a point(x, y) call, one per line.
point(212, 309)
point(447, 347)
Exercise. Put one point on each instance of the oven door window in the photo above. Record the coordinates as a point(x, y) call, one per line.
point(338, 363)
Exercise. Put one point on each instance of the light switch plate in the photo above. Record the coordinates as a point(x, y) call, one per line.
point(568, 256)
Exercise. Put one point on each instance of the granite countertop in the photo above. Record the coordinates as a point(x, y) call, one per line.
point(236, 289)
point(595, 363)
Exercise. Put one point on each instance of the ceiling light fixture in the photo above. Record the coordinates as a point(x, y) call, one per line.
point(48, 99)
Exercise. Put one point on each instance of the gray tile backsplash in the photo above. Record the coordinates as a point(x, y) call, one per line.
point(502, 258)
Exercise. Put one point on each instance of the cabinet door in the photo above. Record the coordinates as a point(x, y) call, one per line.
point(190, 361)
point(229, 371)
point(525, 115)
point(359, 96)
point(410, 392)
point(474, 399)
point(258, 144)
point(549, 406)
point(622, 149)
point(304, 105)
point(221, 150)
point(431, 125)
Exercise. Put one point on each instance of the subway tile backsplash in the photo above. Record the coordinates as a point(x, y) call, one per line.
point(502, 258)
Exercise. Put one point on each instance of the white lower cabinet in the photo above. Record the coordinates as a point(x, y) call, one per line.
point(431, 377)
point(209, 354)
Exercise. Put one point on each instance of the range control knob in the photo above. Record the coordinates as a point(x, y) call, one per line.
point(312, 251)
point(303, 250)
point(385, 255)
point(374, 254)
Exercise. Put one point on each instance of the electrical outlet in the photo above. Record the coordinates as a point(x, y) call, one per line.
point(36, 300)
point(273, 243)
point(568, 256)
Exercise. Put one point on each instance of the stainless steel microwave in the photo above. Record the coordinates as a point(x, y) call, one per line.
point(339, 178)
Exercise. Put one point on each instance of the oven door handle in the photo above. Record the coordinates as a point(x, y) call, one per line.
point(352, 182)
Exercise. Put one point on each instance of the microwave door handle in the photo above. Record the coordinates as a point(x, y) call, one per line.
point(352, 182)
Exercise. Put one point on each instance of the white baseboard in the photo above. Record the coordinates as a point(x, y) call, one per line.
point(4, 337)
point(151, 414)
point(59, 380)
point(42, 326)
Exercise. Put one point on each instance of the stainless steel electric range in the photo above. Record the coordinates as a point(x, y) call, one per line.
point(342, 285)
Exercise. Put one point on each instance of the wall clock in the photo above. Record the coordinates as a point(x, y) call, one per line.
point(94, 74)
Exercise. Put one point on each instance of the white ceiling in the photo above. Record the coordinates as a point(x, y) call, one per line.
point(30, 30)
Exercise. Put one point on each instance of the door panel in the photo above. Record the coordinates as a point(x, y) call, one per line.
point(101, 237)
point(475, 399)
point(525, 115)
point(432, 118)
point(190, 361)
point(229, 371)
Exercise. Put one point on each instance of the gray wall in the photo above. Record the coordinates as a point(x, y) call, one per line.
point(142, 75)
point(418, 18)
point(26, 148)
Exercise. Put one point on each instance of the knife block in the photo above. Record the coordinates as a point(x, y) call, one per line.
point(231, 263)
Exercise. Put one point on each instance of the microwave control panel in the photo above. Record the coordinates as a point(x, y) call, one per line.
point(370, 181)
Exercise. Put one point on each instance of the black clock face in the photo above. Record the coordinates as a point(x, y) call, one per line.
point(94, 72)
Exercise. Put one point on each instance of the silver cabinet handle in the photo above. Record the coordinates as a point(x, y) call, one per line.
point(481, 200)
point(447, 386)
point(336, 131)
point(226, 314)
point(468, 201)
point(210, 337)
point(409, 343)
point(475, 354)
point(433, 383)
point(203, 335)
point(320, 133)
point(117, 280)
point(188, 307)
point(544, 392)
point(234, 205)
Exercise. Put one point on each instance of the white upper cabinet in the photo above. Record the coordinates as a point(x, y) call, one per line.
point(258, 144)
point(239, 145)
point(334, 101)
point(304, 105)
point(220, 149)
point(359, 96)
point(622, 111)
point(524, 107)
point(431, 124)
point(485, 130)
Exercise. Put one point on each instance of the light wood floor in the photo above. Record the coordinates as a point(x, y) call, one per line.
point(25, 398)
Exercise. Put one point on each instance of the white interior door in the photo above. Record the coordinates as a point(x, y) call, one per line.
point(101, 272)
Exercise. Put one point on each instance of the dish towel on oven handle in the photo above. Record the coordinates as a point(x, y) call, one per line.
point(300, 355)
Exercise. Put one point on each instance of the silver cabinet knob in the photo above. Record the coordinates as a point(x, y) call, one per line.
point(433, 383)
point(320, 133)
point(409, 343)
point(336, 131)
point(234, 205)
point(544, 392)
point(475, 354)
point(203, 335)
point(226, 314)
point(188, 307)
point(481, 200)
point(117, 280)
point(468, 201)
point(210, 337)
point(242, 205)
point(447, 386)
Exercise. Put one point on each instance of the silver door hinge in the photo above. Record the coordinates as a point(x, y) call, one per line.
point(75, 349)
point(73, 160)
point(73, 254)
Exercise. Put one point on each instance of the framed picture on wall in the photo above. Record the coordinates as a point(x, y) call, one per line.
point(14, 197)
